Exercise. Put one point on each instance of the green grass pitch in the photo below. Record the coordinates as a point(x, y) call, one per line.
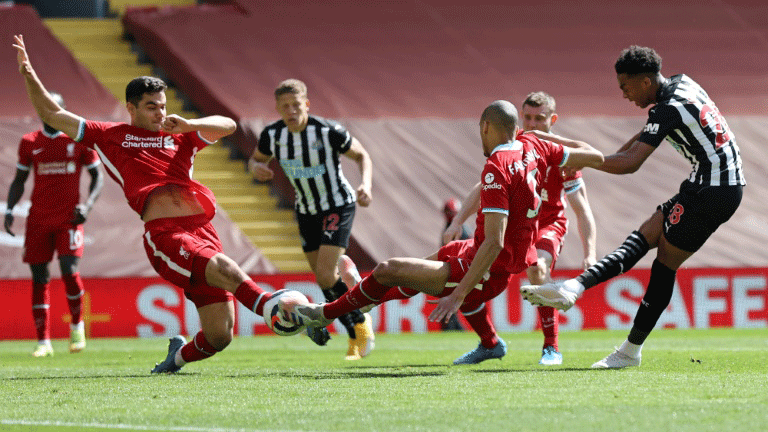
point(690, 380)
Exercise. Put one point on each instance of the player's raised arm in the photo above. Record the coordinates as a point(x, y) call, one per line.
point(49, 111)
point(212, 128)
point(580, 154)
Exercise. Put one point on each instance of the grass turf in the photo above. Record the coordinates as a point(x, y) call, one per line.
point(690, 380)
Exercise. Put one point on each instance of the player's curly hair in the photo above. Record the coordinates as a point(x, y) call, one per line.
point(637, 60)
point(291, 85)
point(136, 89)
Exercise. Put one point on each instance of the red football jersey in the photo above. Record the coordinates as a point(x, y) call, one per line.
point(511, 184)
point(141, 160)
point(553, 192)
point(57, 161)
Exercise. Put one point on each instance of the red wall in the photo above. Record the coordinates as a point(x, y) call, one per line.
point(148, 307)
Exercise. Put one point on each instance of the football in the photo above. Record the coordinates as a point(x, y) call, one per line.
point(273, 317)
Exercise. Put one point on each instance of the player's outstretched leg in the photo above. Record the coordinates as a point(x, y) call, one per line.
point(559, 295)
point(169, 364)
point(482, 353)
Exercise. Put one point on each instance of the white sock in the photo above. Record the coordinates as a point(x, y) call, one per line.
point(178, 359)
point(77, 327)
point(631, 349)
point(44, 342)
point(574, 286)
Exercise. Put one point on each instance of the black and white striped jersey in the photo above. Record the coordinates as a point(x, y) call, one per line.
point(686, 116)
point(310, 160)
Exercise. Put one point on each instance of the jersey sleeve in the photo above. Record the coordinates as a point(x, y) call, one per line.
point(25, 155)
point(264, 146)
point(339, 137)
point(494, 197)
point(557, 155)
point(89, 158)
point(196, 140)
point(662, 119)
point(91, 133)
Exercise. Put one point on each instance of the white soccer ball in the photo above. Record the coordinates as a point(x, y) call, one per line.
point(273, 317)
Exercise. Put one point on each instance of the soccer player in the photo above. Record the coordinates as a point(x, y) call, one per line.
point(55, 222)
point(683, 113)
point(467, 273)
point(538, 113)
point(307, 148)
point(151, 159)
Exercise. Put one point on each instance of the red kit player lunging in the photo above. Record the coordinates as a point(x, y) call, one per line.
point(152, 160)
point(466, 274)
point(55, 222)
point(538, 114)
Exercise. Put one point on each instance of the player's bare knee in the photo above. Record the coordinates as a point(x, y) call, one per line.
point(219, 339)
point(384, 271)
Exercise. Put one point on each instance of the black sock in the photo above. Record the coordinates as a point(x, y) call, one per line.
point(656, 299)
point(619, 261)
point(348, 319)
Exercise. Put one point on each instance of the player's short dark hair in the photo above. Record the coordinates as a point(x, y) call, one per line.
point(136, 89)
point(637, 60)
point(539, 98)
point(291, 85)
point(501, 114)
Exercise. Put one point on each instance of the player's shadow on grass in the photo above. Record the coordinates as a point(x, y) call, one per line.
point(35, 378)
point(355, 372)
point(548, 370)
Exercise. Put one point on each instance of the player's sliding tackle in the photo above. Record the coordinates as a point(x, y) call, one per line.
point(503, 240)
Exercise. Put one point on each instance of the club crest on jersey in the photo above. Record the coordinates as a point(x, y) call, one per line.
point(70, 149)
point(168, 143)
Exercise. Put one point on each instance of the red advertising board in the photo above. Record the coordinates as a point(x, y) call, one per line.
point(151, 307)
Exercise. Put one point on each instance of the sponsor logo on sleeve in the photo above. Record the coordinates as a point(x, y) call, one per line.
point(651, 128)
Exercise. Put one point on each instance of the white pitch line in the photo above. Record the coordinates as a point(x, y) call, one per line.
point(132, 427)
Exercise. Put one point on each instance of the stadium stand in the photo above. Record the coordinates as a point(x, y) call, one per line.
point(113, 232)
point(409, 79)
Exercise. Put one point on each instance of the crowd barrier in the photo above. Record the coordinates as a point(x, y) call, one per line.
point(151, 307)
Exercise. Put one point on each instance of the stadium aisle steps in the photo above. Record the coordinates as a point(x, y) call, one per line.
point(99, 46)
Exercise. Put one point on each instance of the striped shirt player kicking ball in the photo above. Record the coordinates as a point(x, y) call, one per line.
point(151, 158)
point(307, 148)
point(683, 113)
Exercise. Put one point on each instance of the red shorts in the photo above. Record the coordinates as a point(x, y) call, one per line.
point(459, 255)
point(41, 241)
point(550, 238)
point(179, 250)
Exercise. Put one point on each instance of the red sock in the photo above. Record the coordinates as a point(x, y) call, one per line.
point(252, 296)
point(197, 349)
point(41, 303)
point(480, 320)
point(368, 291)
point(549, 325)
point(397, 293)
point(74, 288)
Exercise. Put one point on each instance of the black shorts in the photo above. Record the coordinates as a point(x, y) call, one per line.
point(692, 215)
point(332, 227)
